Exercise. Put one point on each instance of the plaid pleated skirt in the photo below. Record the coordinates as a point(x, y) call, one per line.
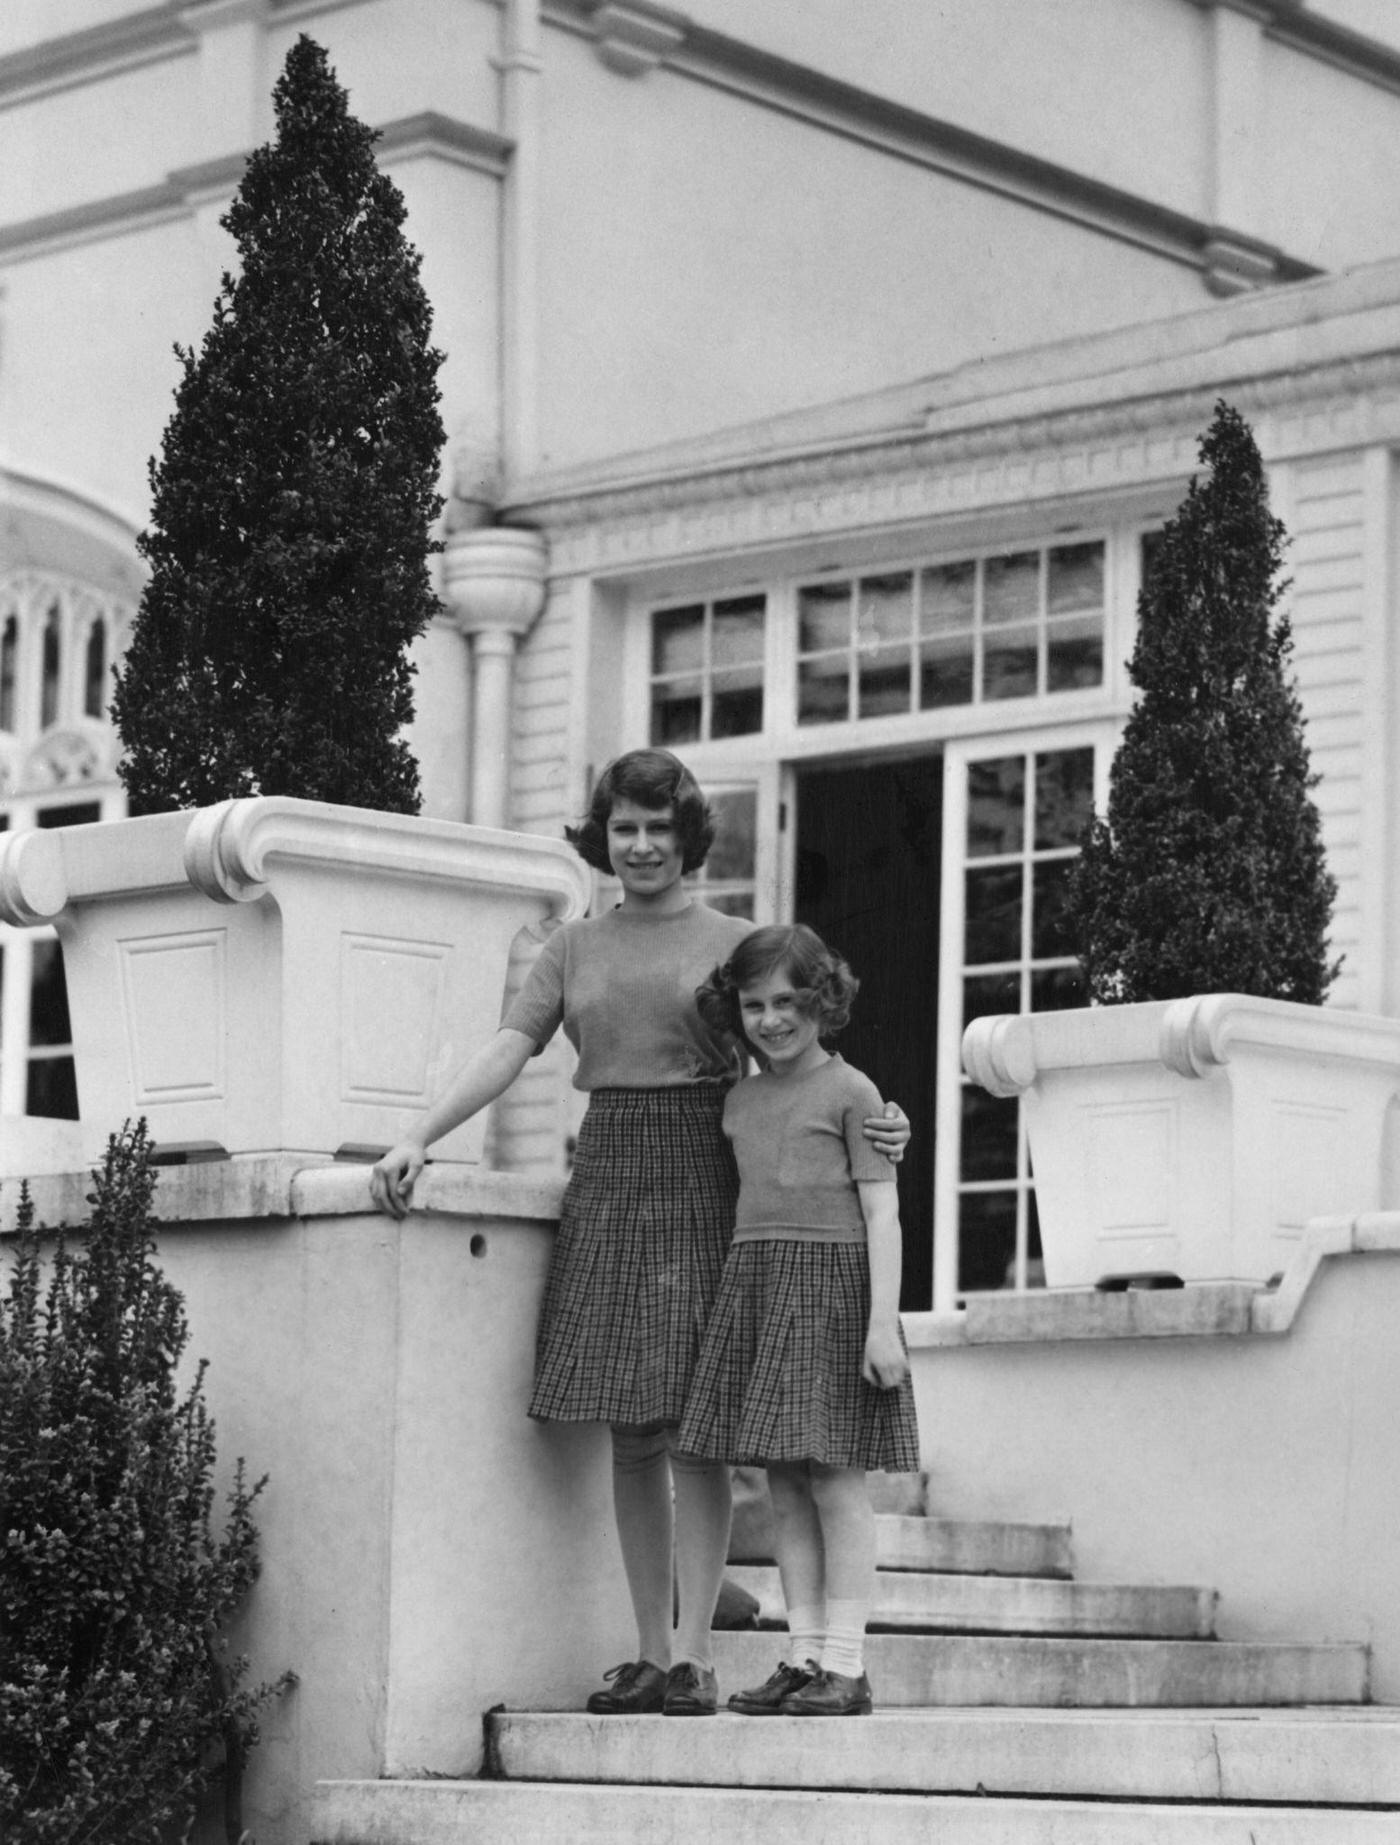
point(645, 1225)
point(778, 1377)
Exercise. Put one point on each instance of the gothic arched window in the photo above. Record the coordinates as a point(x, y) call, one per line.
point(95, 671)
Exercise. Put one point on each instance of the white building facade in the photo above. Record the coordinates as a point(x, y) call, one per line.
point(685, 267)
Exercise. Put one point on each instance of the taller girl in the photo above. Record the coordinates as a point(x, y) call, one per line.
point(649, 1209)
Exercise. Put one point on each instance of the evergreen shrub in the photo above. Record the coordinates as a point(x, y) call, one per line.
point(1207, 873)
point(117, 1698)
point(294, 495)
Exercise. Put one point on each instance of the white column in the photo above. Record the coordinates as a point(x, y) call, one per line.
point(1237, 48)
point(494, 584)
point(493, 652)
point(233, 110)
point(521, 66)
point(1237, 253)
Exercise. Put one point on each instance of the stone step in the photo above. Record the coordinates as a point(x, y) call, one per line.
point(972, 1547)
point(937, 1603)
point(1346, 1757)
point(944, 1669)
point(560, 1813)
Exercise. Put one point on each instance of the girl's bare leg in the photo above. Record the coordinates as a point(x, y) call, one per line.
point(797, 1538)
point(642, 1502)
point(848, 1535)
point(703, 1506)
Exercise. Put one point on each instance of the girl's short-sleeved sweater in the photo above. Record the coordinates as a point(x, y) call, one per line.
point(623, 987)
point(801, 1150)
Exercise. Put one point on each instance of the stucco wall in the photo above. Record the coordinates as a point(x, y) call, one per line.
point(427, 1551)
point(708, 262)
point(1264, 1466)
point(1117, 91)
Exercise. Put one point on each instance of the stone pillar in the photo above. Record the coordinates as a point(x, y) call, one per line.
point(494, 584)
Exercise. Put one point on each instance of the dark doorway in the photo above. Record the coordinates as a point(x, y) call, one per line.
point(868, 859)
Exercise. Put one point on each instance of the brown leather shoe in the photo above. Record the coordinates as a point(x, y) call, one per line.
point(764, 1699)
point(830, 1694)
point(636, 1686)
point(691, 1691)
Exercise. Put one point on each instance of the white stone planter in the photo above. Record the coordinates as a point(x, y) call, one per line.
point(1195, 1137)
point(281, 975)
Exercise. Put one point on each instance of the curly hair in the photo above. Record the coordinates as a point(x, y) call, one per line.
point(654, 779)
point(822, 983)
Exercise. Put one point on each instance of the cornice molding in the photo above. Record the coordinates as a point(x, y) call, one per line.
point(632, 39)
point(182, 192)
point(911, 476)
point(797, 90)
point(443, 137)
point(145, 37)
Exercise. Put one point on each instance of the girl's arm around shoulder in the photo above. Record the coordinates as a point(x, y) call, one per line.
point(484, 1076)
point(885, 1362)
point(873, 1128)
point(884, 1124)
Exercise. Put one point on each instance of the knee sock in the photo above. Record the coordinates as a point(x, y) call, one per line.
point(844, 1648)
point(848, 1537)
point(806, 1634)
point(642, 1503)
point(703, 1505)
point(797, 1539)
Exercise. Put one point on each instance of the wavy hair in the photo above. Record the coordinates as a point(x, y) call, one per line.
point(822, 982)
point(654, 779)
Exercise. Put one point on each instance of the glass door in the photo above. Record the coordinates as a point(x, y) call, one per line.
point(1014, 815)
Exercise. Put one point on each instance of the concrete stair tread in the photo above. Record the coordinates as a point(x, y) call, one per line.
point(971, 1547)
point(931, 1601)
point(1329, 1757)
point(1078, 1672)
point(580, 1813)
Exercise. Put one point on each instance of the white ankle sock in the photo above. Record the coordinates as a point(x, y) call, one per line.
point(806, 1631)
point(844, 1650)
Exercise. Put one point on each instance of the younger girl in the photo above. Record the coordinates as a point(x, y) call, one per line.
point(803, 1368)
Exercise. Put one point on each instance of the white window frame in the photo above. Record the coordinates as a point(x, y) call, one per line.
point(1100, 734)
point(17, 973)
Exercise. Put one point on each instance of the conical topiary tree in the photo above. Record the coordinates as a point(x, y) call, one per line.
point(289, 534)
point(1207, 874)
point(117, 1696)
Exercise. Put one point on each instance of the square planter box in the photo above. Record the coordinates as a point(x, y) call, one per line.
point(1194, 1138)
point(274, 975)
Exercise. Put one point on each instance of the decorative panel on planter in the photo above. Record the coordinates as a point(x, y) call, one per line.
point(281, 975)
point(1195, 1137)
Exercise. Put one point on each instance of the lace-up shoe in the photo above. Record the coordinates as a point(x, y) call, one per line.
point(691, 1691)
point(830, 1694)
point(763, 1700)
point(629, 1689)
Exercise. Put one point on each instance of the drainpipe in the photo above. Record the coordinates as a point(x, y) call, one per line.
point(494, 585)
point(521, 67)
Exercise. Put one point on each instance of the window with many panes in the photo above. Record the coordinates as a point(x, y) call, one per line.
point(58, 639)
point(707, 670)
point(970, 631)
point(1024, 814)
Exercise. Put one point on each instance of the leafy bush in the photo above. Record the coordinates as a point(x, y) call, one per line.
point(289, 535)
point(116, 1698)
point(1207, 873)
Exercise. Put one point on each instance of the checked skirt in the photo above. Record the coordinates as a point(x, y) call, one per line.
point(779, 1376)
point(646, 1222)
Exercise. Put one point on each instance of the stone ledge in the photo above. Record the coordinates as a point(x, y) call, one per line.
point(273, 1186)
point(1204, 1310)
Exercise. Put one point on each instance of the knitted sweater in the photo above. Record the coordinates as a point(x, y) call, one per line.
point(623, 987)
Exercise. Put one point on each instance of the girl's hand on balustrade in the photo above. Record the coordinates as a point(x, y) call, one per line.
point(393, 1177)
